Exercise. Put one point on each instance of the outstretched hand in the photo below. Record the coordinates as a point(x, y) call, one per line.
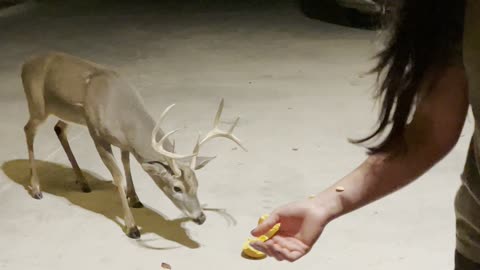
point(301, 225)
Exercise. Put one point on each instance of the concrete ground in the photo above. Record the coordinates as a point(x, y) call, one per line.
point(295, 83)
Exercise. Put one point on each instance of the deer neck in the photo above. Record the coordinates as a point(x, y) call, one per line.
point(141, 143)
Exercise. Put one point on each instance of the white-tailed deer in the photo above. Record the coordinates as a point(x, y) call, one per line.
point(79, 91)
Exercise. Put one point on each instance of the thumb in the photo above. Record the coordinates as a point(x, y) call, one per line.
point(266, 225)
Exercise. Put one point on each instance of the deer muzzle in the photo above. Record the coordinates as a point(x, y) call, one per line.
point(200, 219)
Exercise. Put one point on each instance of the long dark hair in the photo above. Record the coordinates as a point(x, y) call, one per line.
point(423, 36)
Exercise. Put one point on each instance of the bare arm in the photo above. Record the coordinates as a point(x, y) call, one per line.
point(433, 132)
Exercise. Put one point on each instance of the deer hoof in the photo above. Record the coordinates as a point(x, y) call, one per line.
point(37, 195)
point(134, 202)
point(133, 233)
point(86, 188)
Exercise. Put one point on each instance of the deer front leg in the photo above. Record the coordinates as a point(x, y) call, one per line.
point(132, 197)
point(30, 130)
point(106, 154)
point(60, 129)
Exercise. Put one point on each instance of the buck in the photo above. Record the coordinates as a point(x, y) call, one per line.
point(78, 91)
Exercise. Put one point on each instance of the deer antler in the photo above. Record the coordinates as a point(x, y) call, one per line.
point(171, 157)
point(217, 132)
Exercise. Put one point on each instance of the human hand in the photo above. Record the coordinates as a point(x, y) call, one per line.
point(301, 225)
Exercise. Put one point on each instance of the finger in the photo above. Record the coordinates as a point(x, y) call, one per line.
point(265, 226)
point(291, 244)
point(293, 256)
point(266, 248)
point(276, 250)
point(260, 246)
point(291, 249)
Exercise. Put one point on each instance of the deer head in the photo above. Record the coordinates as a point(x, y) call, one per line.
point(176, 176)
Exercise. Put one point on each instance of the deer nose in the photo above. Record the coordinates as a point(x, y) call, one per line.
point(200, 219)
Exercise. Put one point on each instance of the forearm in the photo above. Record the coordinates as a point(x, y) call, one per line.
point(433, 132)
point(378, 176)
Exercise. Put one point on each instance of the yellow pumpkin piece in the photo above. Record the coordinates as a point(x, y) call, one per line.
point(262, 218)
point(273, 231)
point(262, 238)
point(249, 251)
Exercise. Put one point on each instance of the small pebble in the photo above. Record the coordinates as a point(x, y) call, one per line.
point(295, 149)
point(340, 189)
point(166, 266)
point(235, 148)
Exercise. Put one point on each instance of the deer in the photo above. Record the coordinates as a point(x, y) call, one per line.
point(79, 91)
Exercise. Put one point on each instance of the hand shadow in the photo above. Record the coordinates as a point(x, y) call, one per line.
point(58, 180)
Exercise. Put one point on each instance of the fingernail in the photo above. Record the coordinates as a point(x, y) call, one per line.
point(256, 246)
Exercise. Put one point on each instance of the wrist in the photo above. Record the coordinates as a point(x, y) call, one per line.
point(330, 203)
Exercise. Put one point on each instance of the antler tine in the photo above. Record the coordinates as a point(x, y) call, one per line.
point(157, 126)
point(171, 157)
point(196, 150)
point(234, 125)
point(217, 132)
point(159, 146)
point(216, 122)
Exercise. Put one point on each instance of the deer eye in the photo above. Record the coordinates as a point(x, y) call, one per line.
point(177, 189)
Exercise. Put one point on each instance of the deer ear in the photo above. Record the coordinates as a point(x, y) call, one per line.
point(150, 168)
point(153, 168)
point(202, 161)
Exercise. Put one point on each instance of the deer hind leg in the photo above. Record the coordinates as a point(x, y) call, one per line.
point(106, 154)
point(132, 196)
point(30, 131)
point(60, 129)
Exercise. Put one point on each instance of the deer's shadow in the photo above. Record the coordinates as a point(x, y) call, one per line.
point(58, 180)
